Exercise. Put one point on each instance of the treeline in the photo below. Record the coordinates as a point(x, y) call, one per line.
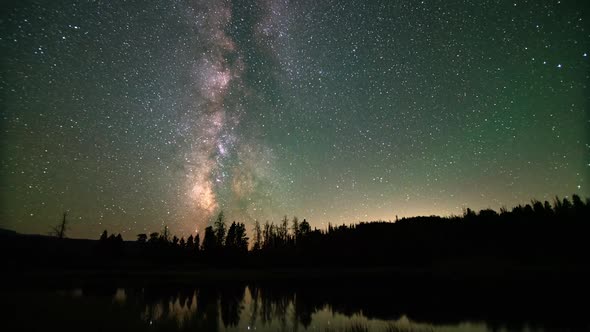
point(219, 241)
point(539, 232)
point(219, 238)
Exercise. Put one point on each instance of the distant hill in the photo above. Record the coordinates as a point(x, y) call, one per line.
point(8, 232)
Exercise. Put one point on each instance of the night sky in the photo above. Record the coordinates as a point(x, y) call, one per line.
point(135, 114)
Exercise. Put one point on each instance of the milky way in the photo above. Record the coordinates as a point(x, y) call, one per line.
point(216, 77)
point(213, 76)
point(134, 115)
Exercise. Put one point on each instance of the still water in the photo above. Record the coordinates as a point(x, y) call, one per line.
point(244, 308)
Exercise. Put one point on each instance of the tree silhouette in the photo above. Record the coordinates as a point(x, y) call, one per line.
point(165, 236)
point(197, 243)
point(295, 228)
point(548, 209)
point(557, 205)
point(230, 304)
point(59, 231)
point(241, 240)
point(538, 207)
point(284, 230)
point(209, 241)
point(266, 234)
point(220, 229)
point(142, 238)
point(257, 236)
point(110, 245)
point(304, 228)
point(236, 240)
point(154, 237)
point(565, 209)
point(468, 214)
point(190, 243)
point(230, 240)
point(580, 209)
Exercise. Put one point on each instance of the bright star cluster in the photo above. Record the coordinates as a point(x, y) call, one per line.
point(134, 115)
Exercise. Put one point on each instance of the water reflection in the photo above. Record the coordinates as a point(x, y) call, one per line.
point(251, 307)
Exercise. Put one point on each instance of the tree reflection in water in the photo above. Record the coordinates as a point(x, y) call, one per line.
point(276, 307)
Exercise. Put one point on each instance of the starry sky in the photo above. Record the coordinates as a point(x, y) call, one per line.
point(132, 115)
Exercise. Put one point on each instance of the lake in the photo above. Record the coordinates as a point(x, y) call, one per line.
point(278, 307)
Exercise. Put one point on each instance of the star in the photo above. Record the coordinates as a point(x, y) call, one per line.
point(170, 113)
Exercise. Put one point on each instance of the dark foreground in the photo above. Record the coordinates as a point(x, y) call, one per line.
point(295, 299)
point(289, 301)
point(523, 270)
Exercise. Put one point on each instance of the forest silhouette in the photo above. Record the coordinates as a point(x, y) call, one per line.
point(536, 234)
point(527, 265)
point(533, 233)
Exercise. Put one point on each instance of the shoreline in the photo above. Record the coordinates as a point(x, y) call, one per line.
point(508, 275)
